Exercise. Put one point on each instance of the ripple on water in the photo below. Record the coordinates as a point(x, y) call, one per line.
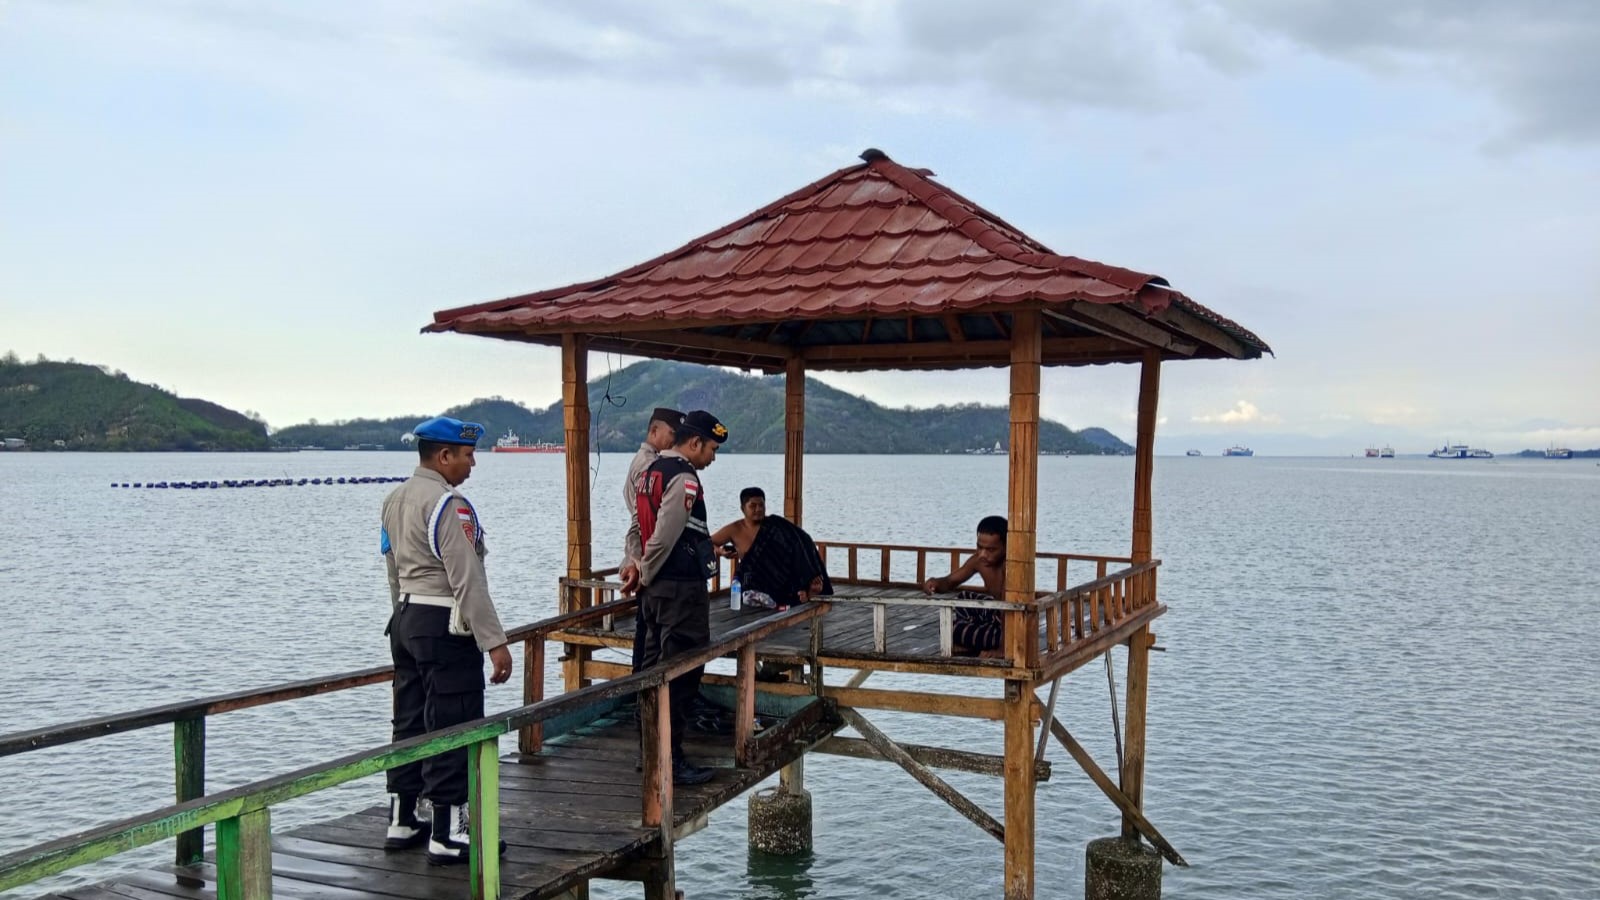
point(1379, 683)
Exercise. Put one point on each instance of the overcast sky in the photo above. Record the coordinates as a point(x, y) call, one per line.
point(261, 203)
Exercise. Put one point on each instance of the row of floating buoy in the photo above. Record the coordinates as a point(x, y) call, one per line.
point(258, 482)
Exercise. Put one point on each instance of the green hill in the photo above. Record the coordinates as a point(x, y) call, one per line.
point(72, 406)
point(750, 405)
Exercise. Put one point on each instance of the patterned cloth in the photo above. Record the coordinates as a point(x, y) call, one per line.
point(977, 629)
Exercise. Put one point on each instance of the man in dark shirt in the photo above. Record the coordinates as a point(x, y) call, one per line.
point(675, 562)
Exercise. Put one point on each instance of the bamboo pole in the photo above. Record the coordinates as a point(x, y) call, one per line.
point(794, 438)
point(575, 422)
point(1022, 627)
point(1019, 791)
point(1022, 642)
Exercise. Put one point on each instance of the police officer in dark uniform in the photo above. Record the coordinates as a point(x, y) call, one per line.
point(659, 437)
point(675, 562)
point(443, 621)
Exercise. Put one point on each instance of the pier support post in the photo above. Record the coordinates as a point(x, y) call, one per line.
point(794, 437)
point(1117, 868)
point(575, 424)
point(189, 760)
point(1022, 625)
point(779, 820)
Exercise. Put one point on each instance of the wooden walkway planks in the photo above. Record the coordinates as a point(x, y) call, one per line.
point(567, 814)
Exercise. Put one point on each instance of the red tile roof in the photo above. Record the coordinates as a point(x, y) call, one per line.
point(869, 242)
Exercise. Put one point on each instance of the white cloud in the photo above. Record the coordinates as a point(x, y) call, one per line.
point(1243, 413)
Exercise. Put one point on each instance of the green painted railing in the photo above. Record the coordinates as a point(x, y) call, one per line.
point(188, 717)
point(242, 814)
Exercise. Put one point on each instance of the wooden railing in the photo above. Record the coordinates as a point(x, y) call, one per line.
point(1096, 608)
point(242, 814)
point(1071, 615)
point(869, 563)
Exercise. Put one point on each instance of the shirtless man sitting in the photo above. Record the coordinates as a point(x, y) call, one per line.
point(775, 557)
point(979, 631)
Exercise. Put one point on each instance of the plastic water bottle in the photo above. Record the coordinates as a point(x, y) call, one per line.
point(735, 594)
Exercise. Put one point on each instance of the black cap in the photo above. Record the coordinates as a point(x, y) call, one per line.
point(706, 425)
point(670, 416)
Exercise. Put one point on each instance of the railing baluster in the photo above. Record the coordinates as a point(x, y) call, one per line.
point(852, 562)
point(483, 805)
point(744, 707)
point(189, 777)
point(947, 630)
point(922, 567)
point(880, 628)
point(883, 565)
point(530, 738)
point(244, 856)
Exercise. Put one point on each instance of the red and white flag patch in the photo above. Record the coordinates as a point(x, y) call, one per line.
point(465, 516)
point(691, 492)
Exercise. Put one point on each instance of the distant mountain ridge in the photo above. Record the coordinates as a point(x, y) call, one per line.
point(74, 406)
point(750, 405)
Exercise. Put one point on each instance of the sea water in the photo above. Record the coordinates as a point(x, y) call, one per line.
point(1379, 679)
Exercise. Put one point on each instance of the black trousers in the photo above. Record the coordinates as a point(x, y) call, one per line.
point(638, 633)
point(677, 618)
point(438, 682)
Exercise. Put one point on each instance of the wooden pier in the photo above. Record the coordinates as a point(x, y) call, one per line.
point(568, 815)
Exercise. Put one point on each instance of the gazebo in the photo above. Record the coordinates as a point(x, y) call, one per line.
point(878, 266)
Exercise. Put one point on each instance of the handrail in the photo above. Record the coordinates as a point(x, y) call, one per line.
point(237, 804)
point(117, 723)
point(911, 548)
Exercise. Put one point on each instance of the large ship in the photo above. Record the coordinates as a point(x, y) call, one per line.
point(510, 443)
point(1191, 453)
point(1460, 451)
point(1237, 450)
point(1555, 452)
point(1385, 452)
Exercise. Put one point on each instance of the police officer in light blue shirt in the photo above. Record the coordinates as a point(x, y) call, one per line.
point(442, 623)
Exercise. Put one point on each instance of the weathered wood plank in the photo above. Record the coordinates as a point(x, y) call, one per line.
point(189, 764)
point(932, 757)
point(244, 856)
point(1110, 789)
point(941, 788)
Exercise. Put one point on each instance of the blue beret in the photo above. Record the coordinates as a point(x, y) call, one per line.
point(445, 430)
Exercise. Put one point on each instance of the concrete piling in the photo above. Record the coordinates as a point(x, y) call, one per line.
point(1118, 868)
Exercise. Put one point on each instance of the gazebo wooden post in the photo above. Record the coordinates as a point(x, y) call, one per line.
point(1132, 775)
point(575, 422)
point(1022, 626)
point(794, 437)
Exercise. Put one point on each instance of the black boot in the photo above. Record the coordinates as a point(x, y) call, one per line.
point(684, 773)
point(405, 829)
point(450, 843)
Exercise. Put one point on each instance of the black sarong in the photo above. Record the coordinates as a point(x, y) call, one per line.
point(781, 562)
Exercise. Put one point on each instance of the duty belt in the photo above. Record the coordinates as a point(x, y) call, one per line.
point(427, 600)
